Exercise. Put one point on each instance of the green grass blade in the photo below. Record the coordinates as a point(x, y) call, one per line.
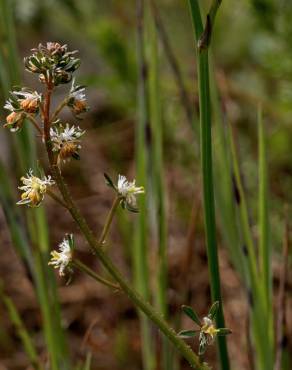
point(140, 255)
point(264, 235)
point(22, 332)
point(207, 171)
point(264, 243)
point(87, 365)
point(157, 177)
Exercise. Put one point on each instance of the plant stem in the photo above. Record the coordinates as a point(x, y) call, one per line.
point(207, 173)
point(59, 109)
point(34, 122)
point(157, 177)
point(143, 141)
point(57, 199)
point(281, 298)
point(144, 306)
point(108, 221)
point(82, 267)
point(264, 244)
point(184, 349)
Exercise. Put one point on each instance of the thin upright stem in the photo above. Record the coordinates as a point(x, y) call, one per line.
point(58, 110)
point(202, 42)
point(281, 299)
point(82, 267)
point(108, 221)
point(35, 124)
point(56, 198)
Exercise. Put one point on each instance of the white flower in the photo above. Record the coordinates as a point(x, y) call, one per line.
point(77, 99)
point(66, 141)
point(128, 191)
point(34, 189)
point(77, 92)
point(9, 106)
point(209, 329)
point(63, 258)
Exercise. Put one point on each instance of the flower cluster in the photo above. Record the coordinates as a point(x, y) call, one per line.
point(63, 259)
point(77, 99)
point(126, 191)
point(34, 189)
point(66, 141)
point(208, 331)
point(52, 62)
point(20, 104)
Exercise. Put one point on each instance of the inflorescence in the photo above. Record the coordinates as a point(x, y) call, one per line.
point(55, 64)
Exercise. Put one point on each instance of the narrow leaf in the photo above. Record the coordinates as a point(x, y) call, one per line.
point(224, 331)
point(108, 180)
point(191, 314)
point(188, 333)
point(213, 310)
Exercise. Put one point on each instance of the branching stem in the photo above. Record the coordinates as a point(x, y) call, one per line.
point(95, 246)
point(82, 267)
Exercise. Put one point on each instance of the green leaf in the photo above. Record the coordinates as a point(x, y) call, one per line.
point(188, 333)
point(109, 181)
point(224, 331)
point(191, 314)
point(213, 310)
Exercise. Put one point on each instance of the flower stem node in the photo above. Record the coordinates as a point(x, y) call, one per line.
point(34, 189)
point(66, 141)
point(127, 191)
point(62, 260)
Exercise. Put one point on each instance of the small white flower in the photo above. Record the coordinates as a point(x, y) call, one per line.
point(63, 258)
point(9, 106)
point(34, 189)
point(66, 141)
point(77, 92)
point(128, 191)
point(209, 329)
point(77, 99)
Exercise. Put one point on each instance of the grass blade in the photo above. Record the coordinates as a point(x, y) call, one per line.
point(207, 171)
point(21, 331)
point(140, 255)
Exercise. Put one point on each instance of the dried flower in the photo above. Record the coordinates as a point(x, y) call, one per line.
point(34, 189)
point(66, 141)
point(77, 99)
point(28, 100)
point(14, 121)
point(62, 260)
point(52, 62)
point(20, 103)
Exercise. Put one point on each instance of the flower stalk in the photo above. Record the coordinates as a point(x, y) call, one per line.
point(82, 267)
point(95, 246)
point(109, 220)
